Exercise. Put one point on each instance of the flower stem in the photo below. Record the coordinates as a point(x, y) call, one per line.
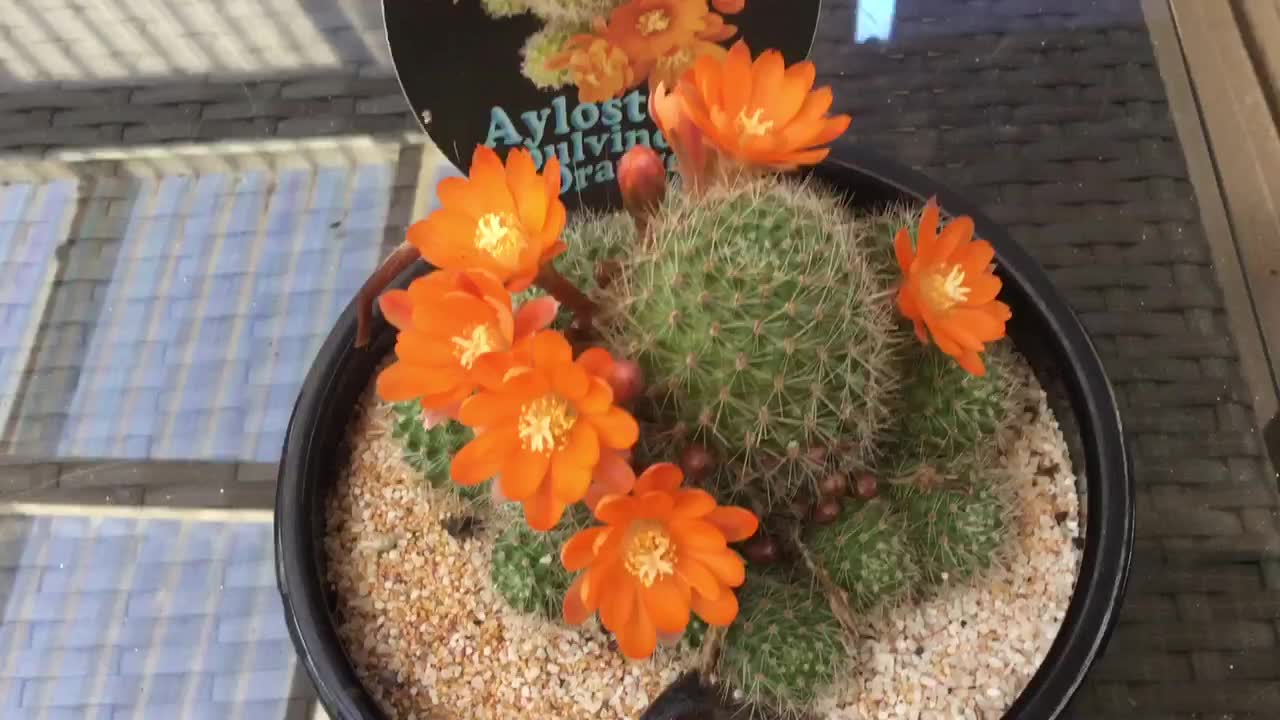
point(399, 259)
point(559, 287)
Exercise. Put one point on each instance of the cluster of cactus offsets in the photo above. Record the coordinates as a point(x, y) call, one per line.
point(866, 553)
point(953, 533)
point(945, 415)
point(763, 332)
point(785, 647)
point(429, 451)
point(525, 566)
point(540, 48)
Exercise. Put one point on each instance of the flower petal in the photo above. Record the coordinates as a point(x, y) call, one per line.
point(535, 315)
point(527, 189)
point(617, 600)
point(489, 181)
point(612, 476)
point(692, 503)
point(570, 382)
point(666, 602)
point(735, 523)
point(769, 71)
point(616, 509)
point(697, 575)
point(637, 638)
point(927, 233)
point(575, 612)
point(719, 611)
point(957, 232)
point(582, 446)
point(550, 349)
point(542, 511)
point(481, 458)
point(598, 398)
point(569, 480)
point(397, 308)
point(980, 325)
point(902, 249)
point(618, 430)
point(726, 565)
point(523, 473)
point(697, 535)
point(580, 550)
point(660, 476)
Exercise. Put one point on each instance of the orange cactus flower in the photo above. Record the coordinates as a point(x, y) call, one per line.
point(694, 159)
point(728, 7)
point(600, 69)
point(503, 220)
point(545, 428)
point(949, 290)
point(649, 29)
point(661, 553)
point(717, 30)
point(761, 114)
point(447, 321)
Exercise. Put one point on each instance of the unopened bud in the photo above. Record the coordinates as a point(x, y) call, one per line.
point(642, 177)
point(627, 380)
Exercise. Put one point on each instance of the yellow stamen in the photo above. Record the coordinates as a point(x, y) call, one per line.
point(753, 124)
point(944, 292)
point(650, 556)
point(675, 61)
point(473, 343)
point(500, 236)
point(654, 21)
point(545, 423)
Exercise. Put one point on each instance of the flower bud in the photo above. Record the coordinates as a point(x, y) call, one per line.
point(627, 380)
point(642, 177)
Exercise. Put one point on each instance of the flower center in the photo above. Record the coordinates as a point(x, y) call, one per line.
point(545, 423)
point(651, 556)
point(676, 60)
point(943, 292)
point(654, 21)
point(473, 343)
point(753, 124)
point(499, 235)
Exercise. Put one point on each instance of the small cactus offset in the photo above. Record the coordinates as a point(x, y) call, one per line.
point(429, 450)
point(865, 552)
point(785, 647)
point(525, 566)
point(946, 415)
point(764, 332)
point(540, 48)
point(953, 533)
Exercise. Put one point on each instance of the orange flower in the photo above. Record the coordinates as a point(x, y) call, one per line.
point(447, 322)
point(949, 288)
point(647, 30)
point(670, 67)
point(693, 159)
point(545, 429)
point(761, 114)
point(716, 29)
point(661, 553)
point(600, 69)
point(506, 221)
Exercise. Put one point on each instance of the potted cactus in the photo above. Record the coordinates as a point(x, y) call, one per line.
point(740, 441)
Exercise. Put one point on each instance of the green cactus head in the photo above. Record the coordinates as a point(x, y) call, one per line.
point(784, 648)
point(541, 47)
point(865, 552)
point(430, 451)
point(953, 533)
point(763, 333)
point(525, 565)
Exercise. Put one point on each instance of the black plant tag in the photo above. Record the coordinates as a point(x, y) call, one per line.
point(568, 78)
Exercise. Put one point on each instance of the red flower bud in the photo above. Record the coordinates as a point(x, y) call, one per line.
point(642, 177)
point(627, 380)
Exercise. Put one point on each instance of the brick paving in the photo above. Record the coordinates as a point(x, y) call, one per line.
point(135, 617)
point(1053, 116)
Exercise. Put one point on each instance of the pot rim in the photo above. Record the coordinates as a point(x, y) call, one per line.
point(1100, 581)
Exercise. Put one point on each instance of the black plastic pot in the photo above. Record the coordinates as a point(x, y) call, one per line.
point(1044, 329)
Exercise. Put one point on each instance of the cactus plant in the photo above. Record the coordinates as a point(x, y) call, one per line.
point(579, 11)
point(429, 451)
point(763, 332)
point(785, 646)
point(541, 47)
point(504, 8)
point(953, 533)
point(525, 566)
point(866, 554)
point(945, 414)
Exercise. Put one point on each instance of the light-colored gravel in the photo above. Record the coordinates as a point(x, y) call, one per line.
point(431, 639)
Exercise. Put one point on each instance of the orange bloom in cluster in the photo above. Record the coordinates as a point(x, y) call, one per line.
point(545, 428)
point(949, 289)
point(447, 322)
point(762, 113)
point(646, 30)
point(668, 68)
point(661, 553)
point(599, 68)
point(504, 220)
